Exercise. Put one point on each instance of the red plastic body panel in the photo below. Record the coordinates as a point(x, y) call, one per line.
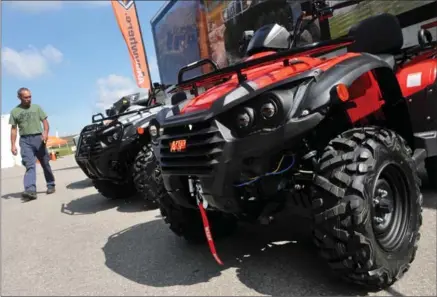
point(366, 97)
point(425, 55)
point(210, 80)
point(262, 76)
point(429, 25)
point(415, 77)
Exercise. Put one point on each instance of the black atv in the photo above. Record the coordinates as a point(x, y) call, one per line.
point(114, 152)
point(323, 129)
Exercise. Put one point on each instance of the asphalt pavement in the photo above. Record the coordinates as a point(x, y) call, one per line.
point(76, 242)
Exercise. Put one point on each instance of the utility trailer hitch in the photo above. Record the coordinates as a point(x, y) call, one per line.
point(196, 191)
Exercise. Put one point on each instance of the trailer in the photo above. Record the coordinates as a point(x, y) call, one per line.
point(187, 31)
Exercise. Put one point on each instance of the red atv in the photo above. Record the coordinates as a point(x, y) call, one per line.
point(337, 136)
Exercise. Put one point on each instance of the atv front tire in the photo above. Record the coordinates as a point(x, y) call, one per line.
point(147, 175)
point(112, 190)
point(187, 223)
point(369, 209)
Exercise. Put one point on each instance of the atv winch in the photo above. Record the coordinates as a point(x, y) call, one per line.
point(197, 192)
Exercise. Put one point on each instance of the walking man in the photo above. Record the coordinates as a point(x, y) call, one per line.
point(28, 116)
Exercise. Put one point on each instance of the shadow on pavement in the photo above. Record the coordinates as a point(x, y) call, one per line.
point(82, 184)
point(273, 260)
point(95, 203)
point(67, 168)
point(150, 254)
point(394, 292)
point(18, 195)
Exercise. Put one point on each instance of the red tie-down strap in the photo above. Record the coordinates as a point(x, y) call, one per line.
point(208, 234)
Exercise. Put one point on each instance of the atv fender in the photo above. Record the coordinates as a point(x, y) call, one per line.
point(321, 93)
point(345, 72)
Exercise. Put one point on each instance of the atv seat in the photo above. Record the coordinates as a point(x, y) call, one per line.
point(379, 35)
point(389, 59)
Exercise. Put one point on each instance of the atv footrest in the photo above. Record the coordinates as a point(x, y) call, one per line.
point(427, 141)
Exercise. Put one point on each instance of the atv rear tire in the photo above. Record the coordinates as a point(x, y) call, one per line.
point(187, 223)
point(368, 219)
point(147, 175)
point(431, 170)
point(112, 190)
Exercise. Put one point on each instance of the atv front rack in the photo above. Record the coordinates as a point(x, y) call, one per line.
point(314, 50)
point(95, 138)
point(195, 65)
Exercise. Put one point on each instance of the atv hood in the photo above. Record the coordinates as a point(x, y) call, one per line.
point(257, 78)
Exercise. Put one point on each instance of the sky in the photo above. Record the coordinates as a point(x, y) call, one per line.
point(72, 57)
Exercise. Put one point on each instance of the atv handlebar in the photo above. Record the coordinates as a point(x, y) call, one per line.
point(320, 11)
point(320, 8)
point(342, 5)
point(195, 65)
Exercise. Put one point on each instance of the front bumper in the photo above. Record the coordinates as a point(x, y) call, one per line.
point(99, 159)
point(215, 157)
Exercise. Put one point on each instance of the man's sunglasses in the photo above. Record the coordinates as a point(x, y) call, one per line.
point(26, 97)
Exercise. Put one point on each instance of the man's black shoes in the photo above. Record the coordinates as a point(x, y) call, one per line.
point(29, 195)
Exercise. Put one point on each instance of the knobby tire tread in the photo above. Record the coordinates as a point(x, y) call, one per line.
point(341, 212)
point(187, 223)
point(146, 175)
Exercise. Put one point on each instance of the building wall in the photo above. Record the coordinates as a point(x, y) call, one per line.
point(7, 159)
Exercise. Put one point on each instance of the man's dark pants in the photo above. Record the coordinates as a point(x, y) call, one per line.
point(32, 148)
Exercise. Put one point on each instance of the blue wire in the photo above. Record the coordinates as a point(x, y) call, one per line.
point(267, 174)
point(247, 183)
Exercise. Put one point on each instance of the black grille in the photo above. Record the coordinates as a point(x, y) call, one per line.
point(89, 146)
point(204, 145)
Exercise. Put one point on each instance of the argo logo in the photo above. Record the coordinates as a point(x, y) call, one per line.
point(126, 3)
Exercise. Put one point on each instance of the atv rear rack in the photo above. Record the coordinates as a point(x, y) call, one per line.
point(314, 50)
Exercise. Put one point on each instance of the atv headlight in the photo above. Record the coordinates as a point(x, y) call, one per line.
point(153, 131)
point(245, 118)
point(268, 110)
point(116, 136)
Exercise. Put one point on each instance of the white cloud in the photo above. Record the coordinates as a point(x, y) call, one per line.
point(97, 3)
point(52, 5)
point(153, 67)
point(30, 62)
point(153, 64)
point(51, 53)
point(112, 88)
point(36, 6)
